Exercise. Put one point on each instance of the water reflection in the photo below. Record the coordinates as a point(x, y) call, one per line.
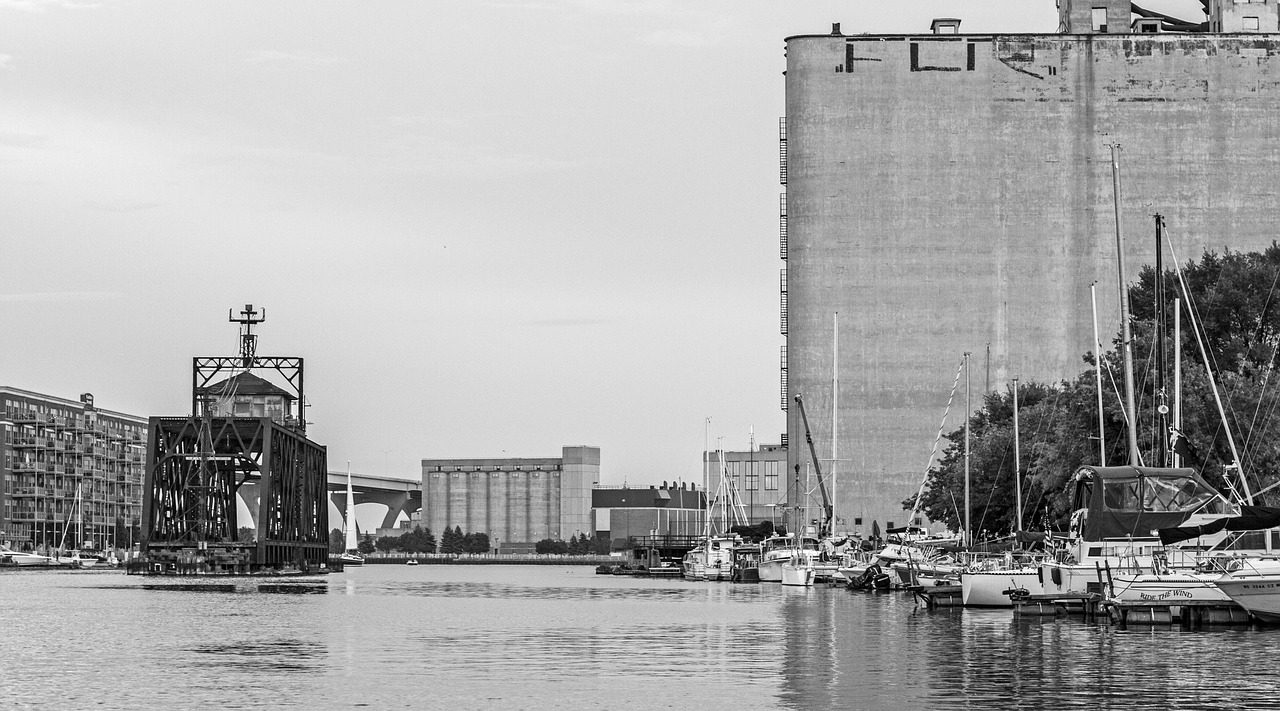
point(287, 655)
point(563, 638)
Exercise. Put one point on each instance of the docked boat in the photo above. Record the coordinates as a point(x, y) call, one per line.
point(1255, 591)
point(774, 551)
point(712, 559)
point(799, 571)
point(1112, 504)
point(746, 563)
point(997, 587)
point(24, 560)
point(414, 561)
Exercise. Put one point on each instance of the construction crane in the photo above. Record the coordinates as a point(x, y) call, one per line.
point(827, 514)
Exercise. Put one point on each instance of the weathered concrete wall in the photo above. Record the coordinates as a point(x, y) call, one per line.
point(946, 193)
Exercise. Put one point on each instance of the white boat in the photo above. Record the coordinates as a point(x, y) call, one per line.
point(351, 556)
point(798, 571)
point(711, 560)
point(411, 561)
point(75, 559)
point(1259, 594)
point(1113, 503)
point(989, 588)
point(20, 559)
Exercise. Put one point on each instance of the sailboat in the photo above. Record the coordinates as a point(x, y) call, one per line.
point(74, 559)
point(713, 558)
point(351, 553)
point(989, 585)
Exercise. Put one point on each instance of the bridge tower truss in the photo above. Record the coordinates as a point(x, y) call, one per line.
point(196, 466)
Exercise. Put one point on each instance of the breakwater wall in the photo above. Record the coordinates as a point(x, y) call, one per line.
point(497, 560)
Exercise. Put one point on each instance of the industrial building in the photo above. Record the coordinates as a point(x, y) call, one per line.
point(949, 192)
point(758, 479)
point(512, 500)
point(673, 510)
point(72, 472)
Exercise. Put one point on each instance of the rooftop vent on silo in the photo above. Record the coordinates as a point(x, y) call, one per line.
point(835, 30)
point(946, 26)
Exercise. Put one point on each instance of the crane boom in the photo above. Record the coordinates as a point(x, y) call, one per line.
point(817, 467)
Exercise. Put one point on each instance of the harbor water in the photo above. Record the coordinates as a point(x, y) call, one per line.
point(532, 637)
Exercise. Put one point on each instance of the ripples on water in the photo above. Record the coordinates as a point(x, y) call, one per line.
point(515, 637)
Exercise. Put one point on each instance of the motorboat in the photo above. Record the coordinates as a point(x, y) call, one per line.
point(411, 561)
point(20, 559)
point(746, 563)
point(1117, 513)
point(799, 571)
point(712, 559)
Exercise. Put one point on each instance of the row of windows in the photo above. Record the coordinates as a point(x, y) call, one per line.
point(484, 468)
point(746, 475)
point(492, 475)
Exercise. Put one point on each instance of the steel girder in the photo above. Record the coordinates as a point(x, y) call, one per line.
point(195, 466)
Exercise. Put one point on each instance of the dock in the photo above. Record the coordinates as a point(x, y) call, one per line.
point(935, 596)
point(1191, 614)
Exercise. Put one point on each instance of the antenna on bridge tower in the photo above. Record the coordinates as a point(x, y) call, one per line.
point(248, 339)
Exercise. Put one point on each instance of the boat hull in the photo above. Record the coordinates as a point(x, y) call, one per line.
point(1171, 589)
point(770, 571)
point(1260, 595)
point(797, 575)
point(986, 588)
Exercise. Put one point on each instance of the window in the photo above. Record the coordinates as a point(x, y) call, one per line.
point(1099, 19)
point(857, 521)
point(770, 476)
point(1251, 24)
point(753, 476)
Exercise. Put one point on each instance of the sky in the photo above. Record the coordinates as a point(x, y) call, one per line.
point(492, 229)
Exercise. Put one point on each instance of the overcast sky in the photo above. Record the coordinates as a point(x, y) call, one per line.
point(491, 228)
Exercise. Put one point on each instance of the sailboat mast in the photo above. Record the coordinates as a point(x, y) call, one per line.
point(1177, 373)
point(1161, 445)
point(968, 415)
point(835, 409)
point(1097, 372)
point(1017, 459)
point(1125, 336)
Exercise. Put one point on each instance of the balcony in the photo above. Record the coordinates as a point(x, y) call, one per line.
point(26, 417)
point(30, 492)
point(24, 442)
point(25, 467)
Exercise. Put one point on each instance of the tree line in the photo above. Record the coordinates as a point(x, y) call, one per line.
point(1236, 297)
point(576, 545)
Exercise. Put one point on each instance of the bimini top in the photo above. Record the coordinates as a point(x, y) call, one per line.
point(1136, 501)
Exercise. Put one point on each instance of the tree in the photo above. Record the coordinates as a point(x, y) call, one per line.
point(1237, 298)
point(366, 545)
point(337, 542)
point(246, 534)
point(452, 540)
point(477, 543)
point(551, 546)
point(386, 544)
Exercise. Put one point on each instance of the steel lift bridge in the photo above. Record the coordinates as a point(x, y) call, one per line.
point(243, 429)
